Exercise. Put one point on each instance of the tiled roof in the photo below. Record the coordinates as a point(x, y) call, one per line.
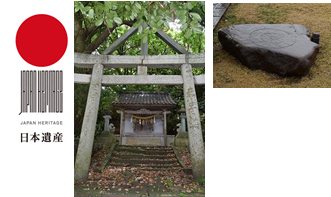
point(142, 99)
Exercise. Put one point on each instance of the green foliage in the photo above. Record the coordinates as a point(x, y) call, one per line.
point(202, 181)
point(157, 14)
point(168, 182)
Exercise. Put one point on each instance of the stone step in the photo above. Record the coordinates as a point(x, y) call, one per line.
point(147, 147)
point(142, 156)
point(176, 169)
point(143, 161)
point(144, 166)
point(143, 151)
point(148, 158)
point(156, 148)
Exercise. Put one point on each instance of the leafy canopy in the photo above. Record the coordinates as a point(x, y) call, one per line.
point(157, 14)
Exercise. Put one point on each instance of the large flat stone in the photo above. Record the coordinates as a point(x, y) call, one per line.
point(278, 48)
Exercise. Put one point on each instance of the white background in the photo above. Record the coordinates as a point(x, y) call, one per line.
point(259, 142)
point(34, 169)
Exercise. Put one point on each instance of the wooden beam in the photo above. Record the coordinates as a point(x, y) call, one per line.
point(139, 79)
point(127, 61)
point(120, 41)
point(169, 41)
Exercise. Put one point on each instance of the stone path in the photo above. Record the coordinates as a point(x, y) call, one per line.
point(218, 11)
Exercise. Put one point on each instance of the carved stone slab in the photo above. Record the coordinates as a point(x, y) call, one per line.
point(278, 48)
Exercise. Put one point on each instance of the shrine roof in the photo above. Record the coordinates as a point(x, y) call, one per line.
point(145, 100)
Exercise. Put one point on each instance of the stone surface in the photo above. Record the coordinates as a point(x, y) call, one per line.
point(182, 122)
point(139, 79)
point(218, 11)
point(181, 139)
point(84, 152)
point(128, 61)
point(76, 147)
point(182, 135)
point(107, 118)
point(105, 140)
point(193, 123)
point(146, 141)
point(278, 48)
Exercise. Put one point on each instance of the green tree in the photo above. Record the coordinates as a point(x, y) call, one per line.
point(95, 20)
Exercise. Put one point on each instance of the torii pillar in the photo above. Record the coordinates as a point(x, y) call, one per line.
point(193, 123)
point(84, 152)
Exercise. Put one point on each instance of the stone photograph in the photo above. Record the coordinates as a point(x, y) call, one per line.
point(271, 45)
point(139, 98)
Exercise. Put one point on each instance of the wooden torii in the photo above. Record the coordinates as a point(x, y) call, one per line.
point(184, 60)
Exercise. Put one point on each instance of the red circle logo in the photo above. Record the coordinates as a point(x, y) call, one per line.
point(41, 40)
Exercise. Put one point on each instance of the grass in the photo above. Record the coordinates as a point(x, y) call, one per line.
point(229, 73)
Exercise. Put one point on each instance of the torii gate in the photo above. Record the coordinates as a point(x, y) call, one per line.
point(98, 62)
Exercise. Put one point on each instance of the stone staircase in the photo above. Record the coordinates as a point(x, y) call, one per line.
point(144, 158)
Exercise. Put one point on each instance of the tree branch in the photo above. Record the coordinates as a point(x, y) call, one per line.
point(103, 36)
point(99, 40)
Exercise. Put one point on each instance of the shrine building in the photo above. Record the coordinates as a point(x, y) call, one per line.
point(144, 118)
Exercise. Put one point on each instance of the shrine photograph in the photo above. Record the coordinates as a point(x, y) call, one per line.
point(139, 108)
point(267, 45)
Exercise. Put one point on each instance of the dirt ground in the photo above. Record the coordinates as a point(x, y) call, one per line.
point(230, 73)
